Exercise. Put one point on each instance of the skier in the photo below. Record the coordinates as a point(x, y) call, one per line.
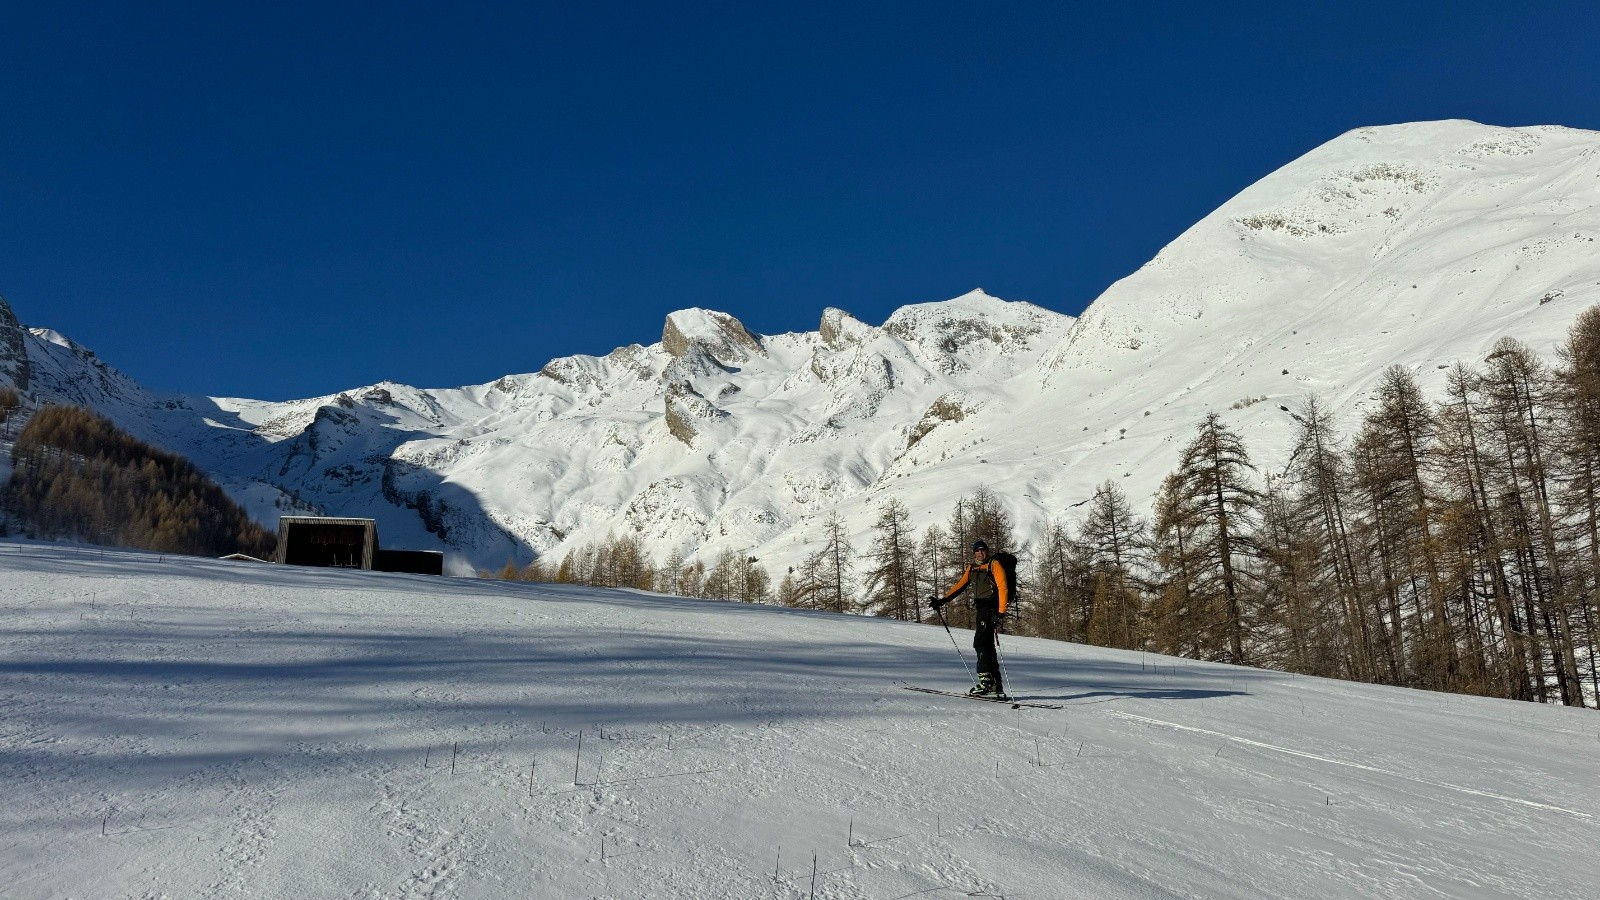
point(991, 593)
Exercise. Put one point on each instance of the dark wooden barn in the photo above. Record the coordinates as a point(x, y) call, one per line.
point(347, 544)
point(327, 542)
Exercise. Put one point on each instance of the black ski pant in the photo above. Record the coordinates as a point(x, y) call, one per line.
point(983, 642)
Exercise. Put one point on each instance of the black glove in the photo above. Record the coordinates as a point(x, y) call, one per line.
point(999, 622)
point(936, 602)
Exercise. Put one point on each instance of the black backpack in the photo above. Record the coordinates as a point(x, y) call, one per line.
point(1008, 562)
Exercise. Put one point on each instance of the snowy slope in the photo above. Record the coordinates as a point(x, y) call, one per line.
point(189, 728)
point(1415, 244)
point(1418, 244)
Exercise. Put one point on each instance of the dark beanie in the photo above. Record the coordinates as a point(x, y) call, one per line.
point(979, 545)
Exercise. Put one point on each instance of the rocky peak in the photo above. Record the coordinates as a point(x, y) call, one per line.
point(971, 320)
point(718, 334)
point(839, 329)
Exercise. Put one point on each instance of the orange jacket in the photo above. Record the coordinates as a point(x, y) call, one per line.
point(1002, 588)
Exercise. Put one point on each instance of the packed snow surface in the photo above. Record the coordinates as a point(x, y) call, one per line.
point(189, 728)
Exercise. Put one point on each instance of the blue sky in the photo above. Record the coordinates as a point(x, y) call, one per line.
point(283, 200)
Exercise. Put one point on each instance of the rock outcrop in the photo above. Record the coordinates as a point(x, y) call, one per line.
point(13, 350)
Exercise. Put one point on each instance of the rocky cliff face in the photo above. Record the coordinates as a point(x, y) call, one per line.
point(13, 350)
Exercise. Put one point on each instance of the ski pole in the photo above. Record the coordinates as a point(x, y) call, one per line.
point(953, 642)
point(1005, 677)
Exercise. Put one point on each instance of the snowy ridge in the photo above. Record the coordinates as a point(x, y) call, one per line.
point(265, 731)
point(712, 437)
point(1417, 244)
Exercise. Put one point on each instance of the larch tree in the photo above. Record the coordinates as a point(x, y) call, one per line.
point(931, 565)
point(1315, 487)
point(833, 568)
point(1179, 620)
point(1214, 480)
point(1059, 577)
point(1112, 537)
point(1493, 654)
point(891, 585)
point(1577, 399)
point(1518, 391)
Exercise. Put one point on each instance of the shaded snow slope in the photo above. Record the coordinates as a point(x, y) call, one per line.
point(1417, 244)
point(252, 730)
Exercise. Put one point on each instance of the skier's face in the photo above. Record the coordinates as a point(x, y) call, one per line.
point(980, 556)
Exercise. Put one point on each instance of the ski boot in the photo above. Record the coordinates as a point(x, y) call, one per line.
point(985, 686)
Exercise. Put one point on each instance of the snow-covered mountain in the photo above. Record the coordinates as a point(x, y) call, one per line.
point(710, 438)
point(1417, 244)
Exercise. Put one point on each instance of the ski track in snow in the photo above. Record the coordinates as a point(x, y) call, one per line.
point(260, 731)
point(1342, 762)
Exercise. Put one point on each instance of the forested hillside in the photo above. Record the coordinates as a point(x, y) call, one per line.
point(77, 476)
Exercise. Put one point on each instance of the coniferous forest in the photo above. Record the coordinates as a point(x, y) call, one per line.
point(1450, 543)
point(77, 476)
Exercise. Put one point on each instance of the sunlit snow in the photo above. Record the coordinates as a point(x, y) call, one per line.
point(189, 728)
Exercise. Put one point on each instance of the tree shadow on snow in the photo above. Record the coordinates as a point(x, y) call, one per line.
point(157, 689)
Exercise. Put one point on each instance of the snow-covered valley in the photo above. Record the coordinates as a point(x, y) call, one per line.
point(192, 728)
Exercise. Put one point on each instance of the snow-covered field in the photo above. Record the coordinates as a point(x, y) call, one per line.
point(186, 728)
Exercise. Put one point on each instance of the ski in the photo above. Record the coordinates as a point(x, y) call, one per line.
point(1012, 701)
